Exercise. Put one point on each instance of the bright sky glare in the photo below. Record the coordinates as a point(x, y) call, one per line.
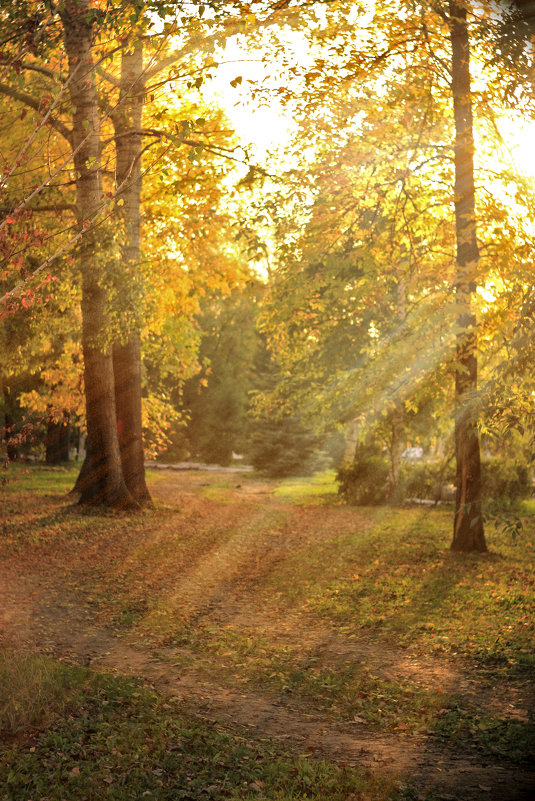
point(519, 140)
point(268, 127)
point(261, 127)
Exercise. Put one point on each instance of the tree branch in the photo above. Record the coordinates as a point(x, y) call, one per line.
point(109, 77)
point(33, 67)
point(32, 102)
point(37, 209)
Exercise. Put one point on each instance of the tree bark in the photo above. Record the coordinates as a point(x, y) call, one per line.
point(127, 123)
point(101, 480)
point(352, 438)
point(127, 370)
point(398, 414)
point(57, 441)
point(468, 533)
point(396, 449)
point(12, 451)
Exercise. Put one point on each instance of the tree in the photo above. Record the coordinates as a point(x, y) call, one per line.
point(468, 532)
point(127, 123)
point(359, 306)
point(216, 400)
point(105, 483)
point(103, 480)
point(98, 472)
point(374, 224)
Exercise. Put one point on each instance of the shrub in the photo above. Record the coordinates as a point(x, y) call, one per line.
point(505, 480)
point(364, 482)
point(282, 447)
point(426, 479)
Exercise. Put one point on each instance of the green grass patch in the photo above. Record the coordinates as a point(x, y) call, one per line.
point(495, 736)
point(345, 688)
point(319, 488)
point(120, 741)
point(19, 479)
point(402, 581)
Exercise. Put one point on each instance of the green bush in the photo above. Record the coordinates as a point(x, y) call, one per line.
point(426, 479)
point(364, 482)
point(502, 480)
point(282, 447)
point(505, 480)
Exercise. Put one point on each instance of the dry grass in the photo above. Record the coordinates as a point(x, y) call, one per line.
point(33, 691)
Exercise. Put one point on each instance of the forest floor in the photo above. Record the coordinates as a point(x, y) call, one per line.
point(270, 615)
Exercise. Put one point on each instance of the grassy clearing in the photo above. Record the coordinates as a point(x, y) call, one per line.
point(385, 572)
point(406, 585)
point(317, 489)
point(120, 741)
point(345, 688)
point(381, 576)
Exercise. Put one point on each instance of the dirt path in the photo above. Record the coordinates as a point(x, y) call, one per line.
point(40, 614)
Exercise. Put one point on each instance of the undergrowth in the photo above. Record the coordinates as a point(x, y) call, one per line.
point(118, 740)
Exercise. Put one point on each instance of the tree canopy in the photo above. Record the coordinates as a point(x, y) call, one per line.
point(390, 245)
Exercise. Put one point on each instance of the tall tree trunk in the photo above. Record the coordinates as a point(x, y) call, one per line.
point(127, 121)
point(57, 440)
point(468, 534)
point(12, 451)
point(102, 478)
point(396, 449)
point(397, 440)
point(352, 438)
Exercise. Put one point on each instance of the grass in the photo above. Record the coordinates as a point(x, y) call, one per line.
point(389, 572)
point(33, 691)
point(319, 488)
point(384, 577)
point(41, 479)
point(346, 688)
point(407, 586)
point(120, 741)
point(492, 734)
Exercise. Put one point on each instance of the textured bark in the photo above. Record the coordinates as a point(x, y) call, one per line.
point(397, 441)
point(12, 451)
point(396, 449)
point(127, 369)
point(352, 438)
point(127, 355)
point(102, 479)
point(468, 533)
point(57, 441)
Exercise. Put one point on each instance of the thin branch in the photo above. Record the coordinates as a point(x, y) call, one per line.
point(18, 65)
point(32, 102)
point(108, 77)
point(37, 209)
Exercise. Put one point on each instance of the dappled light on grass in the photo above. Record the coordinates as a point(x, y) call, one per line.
point(122, 741)
point(318, 489)
point(362, 617)
point(407, 585)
